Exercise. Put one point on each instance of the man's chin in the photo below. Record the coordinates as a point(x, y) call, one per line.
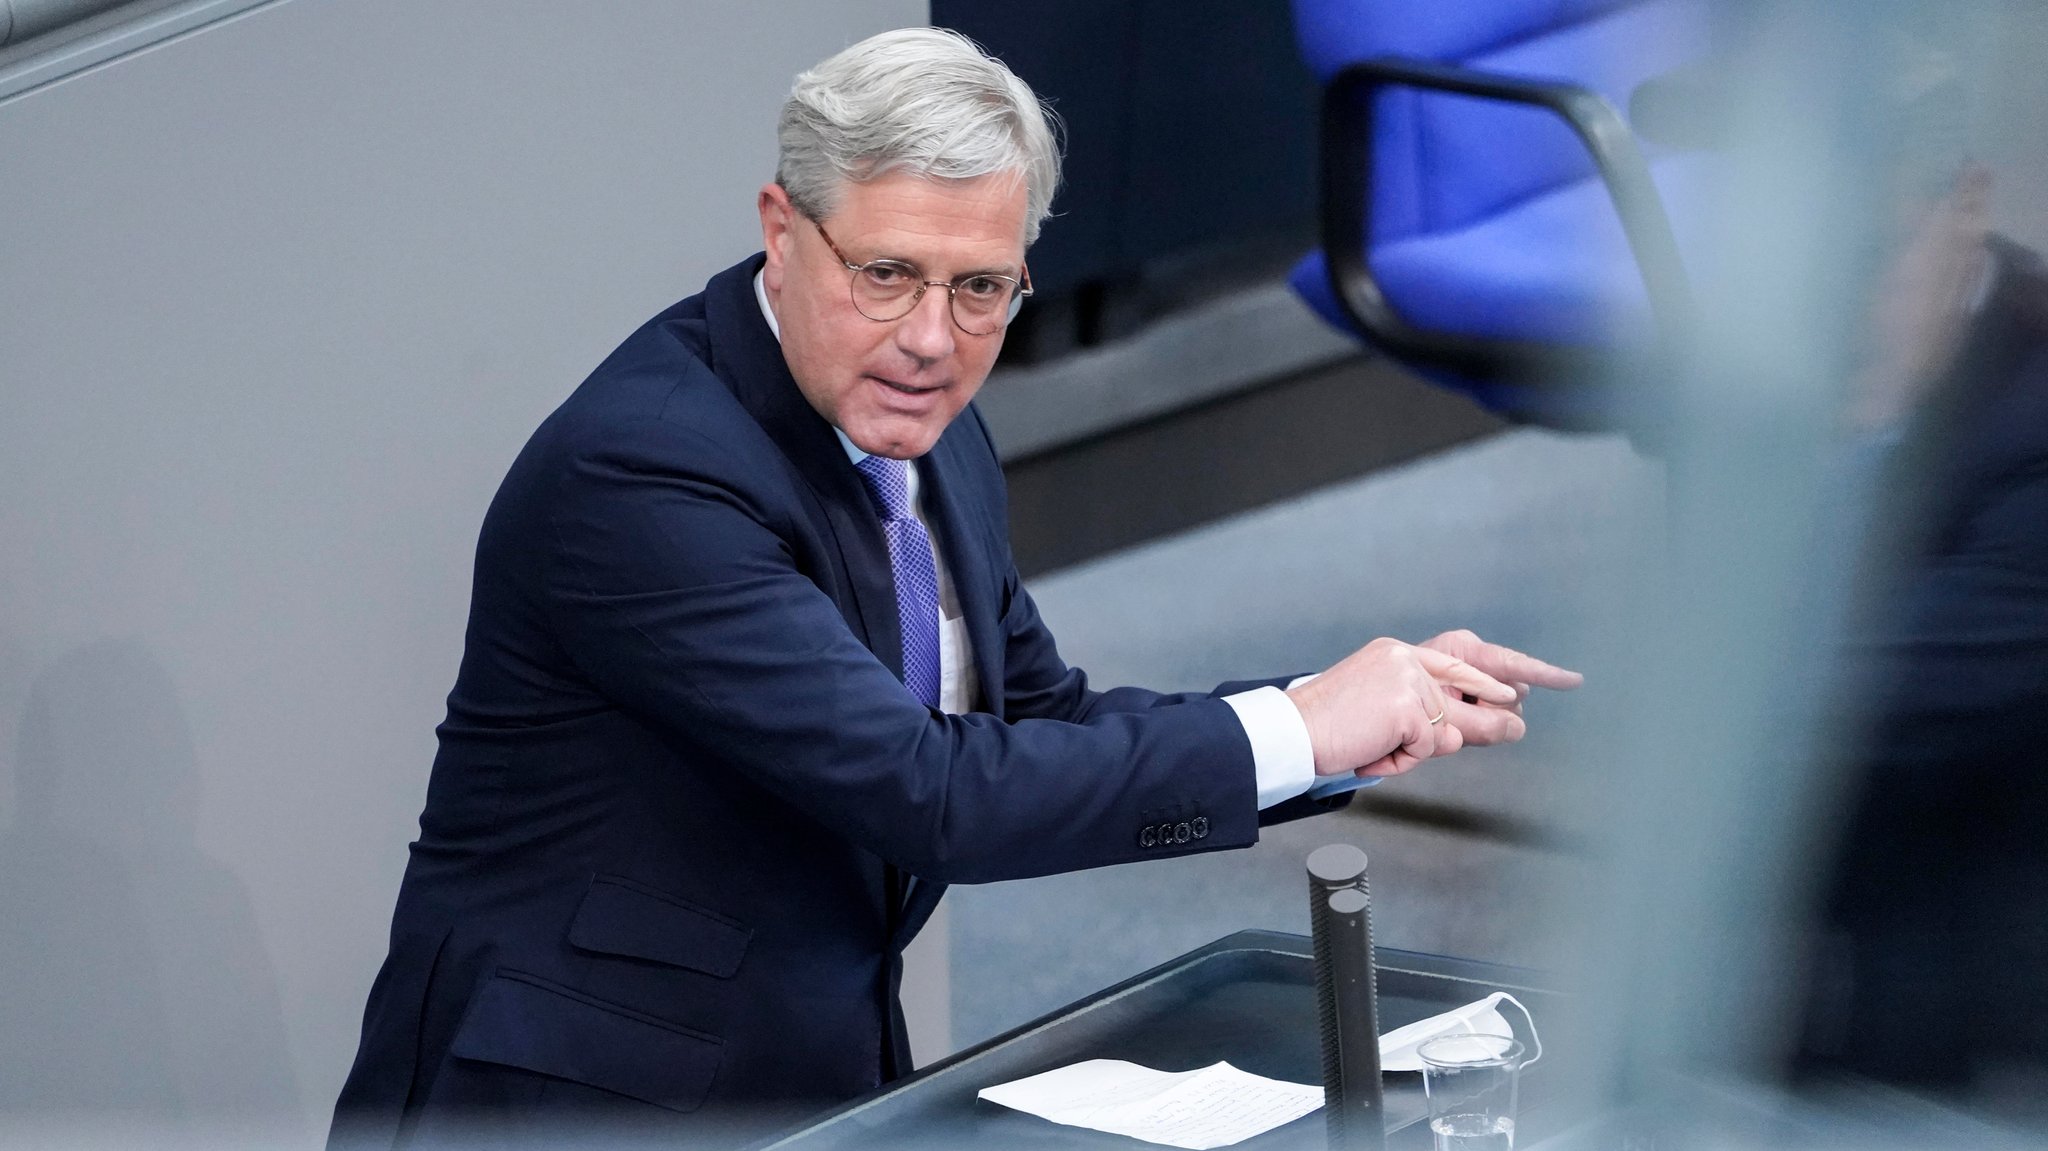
point(895, 439)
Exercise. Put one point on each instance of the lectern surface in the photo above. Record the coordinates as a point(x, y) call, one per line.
point(1248, 998)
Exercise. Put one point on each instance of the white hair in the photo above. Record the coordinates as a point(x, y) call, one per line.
point(924, 100)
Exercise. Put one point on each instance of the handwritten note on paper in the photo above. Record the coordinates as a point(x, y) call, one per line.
point(1212, 1106)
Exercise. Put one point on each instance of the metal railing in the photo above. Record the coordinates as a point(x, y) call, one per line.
point(26, 19)
point(44, 41)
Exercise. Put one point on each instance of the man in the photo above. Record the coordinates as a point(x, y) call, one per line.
point(1936, 914)
point(750, 674)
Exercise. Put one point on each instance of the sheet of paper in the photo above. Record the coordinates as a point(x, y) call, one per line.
point(1212, 1106)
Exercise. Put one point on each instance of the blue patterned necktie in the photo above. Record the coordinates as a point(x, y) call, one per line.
point(915, 571)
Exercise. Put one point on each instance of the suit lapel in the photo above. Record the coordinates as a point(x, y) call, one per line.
point(947, 490)
point(746, 355)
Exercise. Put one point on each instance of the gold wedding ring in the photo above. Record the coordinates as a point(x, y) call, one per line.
point(1439, 718)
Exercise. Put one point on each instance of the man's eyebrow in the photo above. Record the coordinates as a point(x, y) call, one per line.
point(1000, 270)
point(1012, 272)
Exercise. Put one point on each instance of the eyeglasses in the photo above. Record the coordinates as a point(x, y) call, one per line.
point(983, 303)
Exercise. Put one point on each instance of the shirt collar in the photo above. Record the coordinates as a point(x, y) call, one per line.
point(761, 297)
point(768, 313)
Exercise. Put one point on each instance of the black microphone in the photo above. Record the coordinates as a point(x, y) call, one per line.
point(1340, 914)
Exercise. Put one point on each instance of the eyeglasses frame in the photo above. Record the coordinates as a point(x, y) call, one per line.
point(1023, 286)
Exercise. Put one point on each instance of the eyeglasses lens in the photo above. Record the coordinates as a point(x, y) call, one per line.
point(886, 290)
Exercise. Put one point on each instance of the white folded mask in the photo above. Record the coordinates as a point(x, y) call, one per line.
point(1397, 1047)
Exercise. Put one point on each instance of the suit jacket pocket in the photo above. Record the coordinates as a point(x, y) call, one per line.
point(524, 1021)
point(621, 917)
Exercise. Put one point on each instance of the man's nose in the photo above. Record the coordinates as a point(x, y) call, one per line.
point(927, 332)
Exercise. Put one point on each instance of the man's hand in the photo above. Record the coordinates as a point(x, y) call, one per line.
point(1922, 303)
point(1483, 724)
point(1372, 712)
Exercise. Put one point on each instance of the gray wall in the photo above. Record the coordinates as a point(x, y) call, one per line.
point(278, 303)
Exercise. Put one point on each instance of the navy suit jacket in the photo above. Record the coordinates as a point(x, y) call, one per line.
point(685, 815)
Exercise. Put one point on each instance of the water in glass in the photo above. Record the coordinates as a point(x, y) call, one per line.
point(1473, 1131)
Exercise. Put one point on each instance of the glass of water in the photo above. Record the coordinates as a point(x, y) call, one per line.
point(1472, 1081)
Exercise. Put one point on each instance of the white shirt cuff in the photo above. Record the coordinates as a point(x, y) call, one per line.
point(1282, 757)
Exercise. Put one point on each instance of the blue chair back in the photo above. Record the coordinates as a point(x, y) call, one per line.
point(1458, 178)
point(1443, 162)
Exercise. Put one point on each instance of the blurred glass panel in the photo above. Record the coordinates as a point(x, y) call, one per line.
point(1822, 919)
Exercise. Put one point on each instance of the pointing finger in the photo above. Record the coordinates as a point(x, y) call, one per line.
point(1511, 665)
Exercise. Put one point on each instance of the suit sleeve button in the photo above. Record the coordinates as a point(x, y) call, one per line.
point(1148, 837)
point(1200, 826)
point(1182, 832)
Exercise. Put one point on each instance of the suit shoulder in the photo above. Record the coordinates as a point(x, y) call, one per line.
point(657, 384)
point(651, 414)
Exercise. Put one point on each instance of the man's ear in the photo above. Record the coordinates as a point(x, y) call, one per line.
point(778, 222)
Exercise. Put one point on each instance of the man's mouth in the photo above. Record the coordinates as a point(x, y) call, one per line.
point(907, 389)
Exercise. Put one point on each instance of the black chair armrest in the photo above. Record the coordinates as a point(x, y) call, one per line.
point(1346, 211)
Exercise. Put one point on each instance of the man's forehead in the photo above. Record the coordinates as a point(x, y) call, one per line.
point(928, 219)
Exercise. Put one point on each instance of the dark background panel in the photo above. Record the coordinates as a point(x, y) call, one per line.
point(1190, 154)
point(1231, 455)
